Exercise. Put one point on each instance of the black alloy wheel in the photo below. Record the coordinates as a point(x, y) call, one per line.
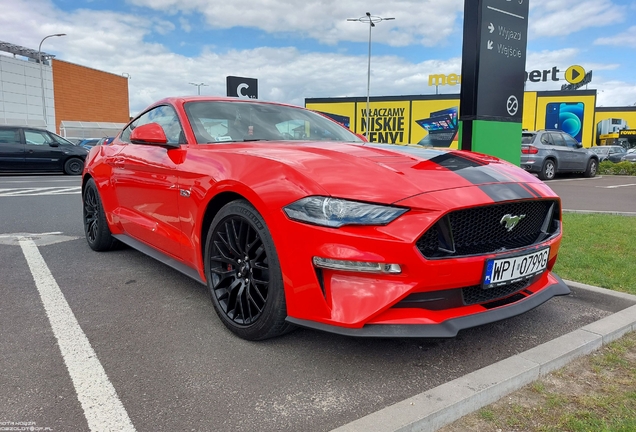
point(96, 228)
point(243, 273)
point(74, 166)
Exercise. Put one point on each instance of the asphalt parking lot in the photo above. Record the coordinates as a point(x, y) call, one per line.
point(603, 193)
point(170, 363)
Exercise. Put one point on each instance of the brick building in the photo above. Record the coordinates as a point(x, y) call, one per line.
point(88, 95)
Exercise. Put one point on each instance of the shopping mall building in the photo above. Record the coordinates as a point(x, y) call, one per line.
point(72, 100)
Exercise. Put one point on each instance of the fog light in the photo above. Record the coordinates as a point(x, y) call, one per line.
point(357, 266)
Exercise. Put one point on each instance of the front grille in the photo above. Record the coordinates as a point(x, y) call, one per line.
point(476, 294)
point(479, 230)
point(458, 297)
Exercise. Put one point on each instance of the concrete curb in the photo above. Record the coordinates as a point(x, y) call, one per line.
point(614, 213)
point(448, 402)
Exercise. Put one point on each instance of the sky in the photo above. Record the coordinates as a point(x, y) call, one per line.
point(301, 49)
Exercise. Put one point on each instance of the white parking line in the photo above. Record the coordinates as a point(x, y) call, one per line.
point(574, 179)
point(616, 186)
point(102, 408)
point(41, 191)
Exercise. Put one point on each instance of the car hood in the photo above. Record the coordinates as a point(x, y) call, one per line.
point(390, 173)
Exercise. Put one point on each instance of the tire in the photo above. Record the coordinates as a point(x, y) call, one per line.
point(96, 228)
point(74, 166)
point(243, 273)
point(592, 168)
point(548, 170)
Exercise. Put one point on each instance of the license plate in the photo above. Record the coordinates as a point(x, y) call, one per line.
point(502, 271)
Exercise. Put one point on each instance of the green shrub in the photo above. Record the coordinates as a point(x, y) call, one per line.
point(621, 168)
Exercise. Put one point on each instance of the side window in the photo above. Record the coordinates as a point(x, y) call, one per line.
point(163, 115)
point(569, 141)
point(557, 139)
point(37, 138)
point(9, 136)
point(546, 139)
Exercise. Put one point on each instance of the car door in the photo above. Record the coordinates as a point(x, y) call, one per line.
point(616, 153)
point(562, 151)
point(146, 184)
point(42, 152)
point(578, 155)
point(11, 149)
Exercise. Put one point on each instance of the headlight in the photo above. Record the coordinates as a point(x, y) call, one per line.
point(334, 212)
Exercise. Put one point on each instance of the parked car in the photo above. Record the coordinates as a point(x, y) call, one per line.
point(291, 219)
point(551, 152)
point(612, 153)
point(105, 140)
point(75, 141)
point(26, 149)
point(89, 143)
point(629, 157)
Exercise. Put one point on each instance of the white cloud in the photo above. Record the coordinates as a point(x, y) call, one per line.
point(625, 39)
point(426, 22)
point(549, 18)
point(185, 25)
point(616, 93)
point(119, 43)
point(115, 42)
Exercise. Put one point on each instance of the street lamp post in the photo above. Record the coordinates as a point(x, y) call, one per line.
point(42, 76)
point(198, 85)
point(371, 19)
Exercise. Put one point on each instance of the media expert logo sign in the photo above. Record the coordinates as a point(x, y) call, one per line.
point(386, 124)
point(573, 75)
point(243, 88)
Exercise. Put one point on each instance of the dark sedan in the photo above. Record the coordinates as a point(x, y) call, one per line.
point(25, 149)
point(612, 153)
point(629, 157)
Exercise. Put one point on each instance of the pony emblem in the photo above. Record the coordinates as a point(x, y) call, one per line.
point(510, 221)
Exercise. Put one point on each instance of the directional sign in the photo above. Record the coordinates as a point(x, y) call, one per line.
point(494, 59)
point(575, 74)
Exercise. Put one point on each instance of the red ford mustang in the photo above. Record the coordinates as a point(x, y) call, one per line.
point(291, 219)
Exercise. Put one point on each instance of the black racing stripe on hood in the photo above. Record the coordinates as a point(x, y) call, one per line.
point(476, 172)
point(506, 192)
point(532, 190)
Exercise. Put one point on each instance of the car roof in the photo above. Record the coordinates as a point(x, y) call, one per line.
point(5, 126)
point(177, 100)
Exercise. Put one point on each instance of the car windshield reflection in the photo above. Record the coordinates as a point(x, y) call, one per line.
point(219, 122)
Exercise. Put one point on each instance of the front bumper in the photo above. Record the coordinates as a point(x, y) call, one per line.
point(448, 328)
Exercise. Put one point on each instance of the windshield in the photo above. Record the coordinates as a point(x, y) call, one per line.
point(61, 140)
point(600, 150)
point(218, 121)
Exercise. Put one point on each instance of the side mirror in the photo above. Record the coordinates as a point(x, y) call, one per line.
point(54, 144)
point(151, 134)
point(579, 145)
